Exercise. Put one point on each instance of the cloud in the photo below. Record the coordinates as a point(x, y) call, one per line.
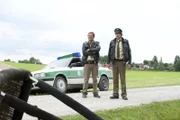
point(47, 29)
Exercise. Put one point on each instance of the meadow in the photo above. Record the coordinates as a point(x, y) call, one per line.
point(140, 79)
point(30, 67)
point(168, 110)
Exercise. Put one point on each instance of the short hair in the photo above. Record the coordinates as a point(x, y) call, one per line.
point(92, 33)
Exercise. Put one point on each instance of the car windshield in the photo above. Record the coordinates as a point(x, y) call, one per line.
point(57, 64)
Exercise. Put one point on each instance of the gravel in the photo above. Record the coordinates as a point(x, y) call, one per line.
point(4, 66)
point(136, 97)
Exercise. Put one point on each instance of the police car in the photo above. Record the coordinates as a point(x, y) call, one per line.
point(67, 73)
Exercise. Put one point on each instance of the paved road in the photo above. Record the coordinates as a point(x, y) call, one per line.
point(136, 97)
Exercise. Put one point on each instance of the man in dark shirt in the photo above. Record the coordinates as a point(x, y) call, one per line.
point(90, 58)
point(119, 53)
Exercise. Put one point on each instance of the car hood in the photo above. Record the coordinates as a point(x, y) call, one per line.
point(60, 69)
point(49, 70)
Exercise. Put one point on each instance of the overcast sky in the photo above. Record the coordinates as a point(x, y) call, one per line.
point(47, 29)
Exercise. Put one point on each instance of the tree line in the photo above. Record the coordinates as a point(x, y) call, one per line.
point(31, 60)
point(154, 64)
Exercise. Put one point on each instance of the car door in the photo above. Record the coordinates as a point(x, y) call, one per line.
point(76, 73)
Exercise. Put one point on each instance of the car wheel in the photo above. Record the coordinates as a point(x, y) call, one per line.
point(60, 84)
point(103, 83)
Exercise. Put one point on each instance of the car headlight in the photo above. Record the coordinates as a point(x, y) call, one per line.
point(39, 75)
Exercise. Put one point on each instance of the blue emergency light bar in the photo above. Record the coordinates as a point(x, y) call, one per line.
point(76, 54)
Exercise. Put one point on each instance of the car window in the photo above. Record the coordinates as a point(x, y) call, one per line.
point(76, 60)
point(57, 64)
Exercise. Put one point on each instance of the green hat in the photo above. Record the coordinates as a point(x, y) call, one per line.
point(118, 30)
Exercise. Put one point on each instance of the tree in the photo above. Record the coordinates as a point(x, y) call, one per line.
point(32, 60)
point(161, 65)
point(38, 61)
point(155, 62)
point(7, 60)
point(151, 63)
point(176, 59)
point(155, 59)
point(170, 67)
point(23, 61)
point(166, 65)
point(177, 66)
point(133, 64)
point(146, 62)
point(137, 65)
point(104, 59)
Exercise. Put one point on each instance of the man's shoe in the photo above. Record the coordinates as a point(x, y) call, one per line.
point(125, 98)
point(84, 94)
point(114, 97)
point(96, 96)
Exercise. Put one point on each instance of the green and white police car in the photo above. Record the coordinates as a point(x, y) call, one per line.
point(67, 73)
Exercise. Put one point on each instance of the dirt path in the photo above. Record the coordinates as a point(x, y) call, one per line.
point(136, 97)
point(4, 66)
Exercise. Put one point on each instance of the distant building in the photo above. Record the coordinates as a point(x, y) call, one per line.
point(146, 67)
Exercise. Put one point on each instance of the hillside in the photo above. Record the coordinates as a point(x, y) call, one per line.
point(30, 67)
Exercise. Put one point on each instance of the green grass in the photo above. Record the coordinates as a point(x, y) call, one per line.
point(168, 110)
point(140, 79)
point(30, 67)
point(134, 79)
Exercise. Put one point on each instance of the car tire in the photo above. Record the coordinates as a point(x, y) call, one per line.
point(103, 83)
point(60, 84)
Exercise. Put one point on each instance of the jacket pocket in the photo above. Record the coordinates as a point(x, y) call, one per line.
point(126, 57)
point(126, 48)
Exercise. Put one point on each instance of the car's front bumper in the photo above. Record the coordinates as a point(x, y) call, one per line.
point(49, 81)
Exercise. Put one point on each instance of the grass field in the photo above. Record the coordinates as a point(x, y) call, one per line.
point(139, 79)
point(30, 67)
point(168, 110)
point(135, 79)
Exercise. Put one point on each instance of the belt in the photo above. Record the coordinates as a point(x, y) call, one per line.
point(91, 62)
point(119, 59)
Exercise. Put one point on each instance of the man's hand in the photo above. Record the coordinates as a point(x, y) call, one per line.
point(129, 66)
point(108, 65)
point(87, 50)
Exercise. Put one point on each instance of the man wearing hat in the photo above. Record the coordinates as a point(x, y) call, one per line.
point(119, 53)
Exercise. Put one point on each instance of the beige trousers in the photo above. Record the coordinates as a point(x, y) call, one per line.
point(119, 68)
point(88, 69)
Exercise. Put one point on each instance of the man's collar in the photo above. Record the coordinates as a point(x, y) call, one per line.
point(122, 39)
point(91, 42)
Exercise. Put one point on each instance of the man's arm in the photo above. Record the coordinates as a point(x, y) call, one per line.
point(129, 53)
point(97, 49)
point(86, 52)
point(109, 54)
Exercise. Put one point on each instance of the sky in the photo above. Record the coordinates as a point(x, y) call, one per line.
point(47, 29)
